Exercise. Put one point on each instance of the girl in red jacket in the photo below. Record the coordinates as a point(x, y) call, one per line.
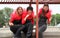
point(44, 16)
point(28, 21)
point(15, 22)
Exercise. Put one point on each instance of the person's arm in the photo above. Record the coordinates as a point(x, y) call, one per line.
point(48, 15)
point(33, 18)
point(40, 11)
point(49, 20)
point(11, 20)
point(24, 17)
point(11, 24)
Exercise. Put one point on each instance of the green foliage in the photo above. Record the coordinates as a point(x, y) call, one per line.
point(4, 15)
point(58, 18)
point(1, 17)
point(7, 11)
point(55, 19)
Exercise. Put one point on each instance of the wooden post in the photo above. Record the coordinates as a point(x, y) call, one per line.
point(30, 2)
point(36, 18)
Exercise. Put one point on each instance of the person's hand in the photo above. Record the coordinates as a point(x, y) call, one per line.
point(11, 24)
point(26, 17)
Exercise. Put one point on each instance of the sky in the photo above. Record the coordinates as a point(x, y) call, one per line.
point(55, 8)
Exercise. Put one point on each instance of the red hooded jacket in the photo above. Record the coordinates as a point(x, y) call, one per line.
point(48, 15)
point(15, 16)
point(31, 17)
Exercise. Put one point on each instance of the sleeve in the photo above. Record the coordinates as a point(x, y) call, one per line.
point(40, 11)
point(23, 16)
point(11, 18)
point(32, 18)
point(48, 15)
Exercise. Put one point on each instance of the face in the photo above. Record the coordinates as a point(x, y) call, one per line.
point(29, 12)
point(45, 8)
point(20, 10)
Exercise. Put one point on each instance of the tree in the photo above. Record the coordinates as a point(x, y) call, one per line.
point(55, 19)
point(1, 17)
point(58, 18)
point(7, 11)
point(5, 15)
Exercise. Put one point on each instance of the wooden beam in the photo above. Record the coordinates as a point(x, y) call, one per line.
point(14, 2)
point(28, 2)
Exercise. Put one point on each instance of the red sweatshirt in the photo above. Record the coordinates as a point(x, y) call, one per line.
point(29, 18)
point(48, 15)
point(15, 16)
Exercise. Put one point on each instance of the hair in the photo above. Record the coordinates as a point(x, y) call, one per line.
point(43, 9)
point(30, 8)
point(18, 9)
point(46, 4)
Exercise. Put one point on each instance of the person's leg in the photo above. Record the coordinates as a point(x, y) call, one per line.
point(29, 32)
point(13, 29)
point(25, 30)
point(41, 30)
point(18, 33)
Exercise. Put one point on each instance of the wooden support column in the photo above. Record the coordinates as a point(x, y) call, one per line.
point(36, 18)
point(30, 2)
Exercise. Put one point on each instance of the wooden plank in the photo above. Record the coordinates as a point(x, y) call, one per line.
point(28, 2)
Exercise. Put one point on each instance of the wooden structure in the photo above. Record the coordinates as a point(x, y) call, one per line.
point(37, 19)
point(29, 1)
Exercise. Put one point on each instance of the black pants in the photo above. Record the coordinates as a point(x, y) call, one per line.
point(27, 29)
point(16, 29)
point(42, 28)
